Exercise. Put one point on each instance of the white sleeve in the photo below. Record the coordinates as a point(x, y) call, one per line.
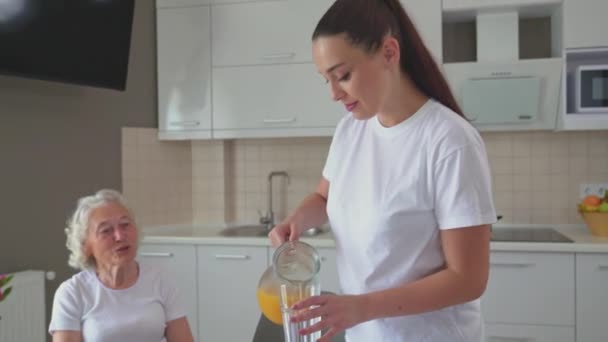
point(173, 302)
point(67, 309)
point(333, 155)
point(463, 188)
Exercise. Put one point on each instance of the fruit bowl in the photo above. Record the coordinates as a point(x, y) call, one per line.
point(597, 222)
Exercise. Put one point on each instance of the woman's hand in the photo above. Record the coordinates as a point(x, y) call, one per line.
point(283, 232)
point(337, 313)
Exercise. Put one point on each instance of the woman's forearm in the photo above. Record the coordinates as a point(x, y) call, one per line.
point(436, 291)
point(310, 213)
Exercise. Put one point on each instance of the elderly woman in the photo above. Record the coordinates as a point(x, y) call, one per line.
point(114, 297)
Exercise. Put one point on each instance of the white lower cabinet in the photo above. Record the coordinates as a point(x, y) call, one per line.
point(227, 282)
point(530, 288)
point(530, 297)
point(329, 270)
point(180, 261)
point(592, 297)
point(528, 333)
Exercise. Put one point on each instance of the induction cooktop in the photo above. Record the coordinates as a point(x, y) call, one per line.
point(528, 235)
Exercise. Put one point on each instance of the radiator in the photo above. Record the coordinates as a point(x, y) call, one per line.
point(22, 313)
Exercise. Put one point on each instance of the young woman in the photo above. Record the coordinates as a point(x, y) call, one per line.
point(406, 187)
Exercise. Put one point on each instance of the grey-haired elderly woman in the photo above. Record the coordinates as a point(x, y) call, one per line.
point(114, 297)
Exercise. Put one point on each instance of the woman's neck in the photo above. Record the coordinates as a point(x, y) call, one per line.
point(403, 100)
point(118, 277)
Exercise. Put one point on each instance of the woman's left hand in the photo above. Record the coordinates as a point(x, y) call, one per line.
point(337, 313)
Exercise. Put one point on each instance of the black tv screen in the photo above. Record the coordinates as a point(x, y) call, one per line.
point(83, 42)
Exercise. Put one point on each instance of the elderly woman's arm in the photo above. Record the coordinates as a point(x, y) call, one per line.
point(178, 330)
point(67, 336)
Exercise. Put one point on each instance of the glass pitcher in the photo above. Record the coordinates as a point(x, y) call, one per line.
point(292, 277)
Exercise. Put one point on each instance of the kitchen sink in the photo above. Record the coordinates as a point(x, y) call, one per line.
point(245, 231)
point(259, 230)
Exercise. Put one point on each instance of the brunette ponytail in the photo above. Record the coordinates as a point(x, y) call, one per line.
point(367, 22)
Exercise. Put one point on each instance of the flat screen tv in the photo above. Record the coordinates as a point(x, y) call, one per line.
point(82, 42)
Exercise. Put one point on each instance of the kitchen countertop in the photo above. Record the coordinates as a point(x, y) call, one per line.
point(208, 234)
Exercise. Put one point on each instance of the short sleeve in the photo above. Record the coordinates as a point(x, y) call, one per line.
point(333, 155)
point(463, 188)
point(173, 301)
point(67, 309)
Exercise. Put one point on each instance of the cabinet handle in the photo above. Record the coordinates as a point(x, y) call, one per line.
point(232, 256)
point(323, 259)
point(287, 55)
point(275, 121)
point(512, 339)
point(603, 267)
point(156, 254)
point(510, 265)
point(185, 123)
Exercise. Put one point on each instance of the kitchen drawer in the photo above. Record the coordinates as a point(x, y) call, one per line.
point(528, 333)
point(530, 288)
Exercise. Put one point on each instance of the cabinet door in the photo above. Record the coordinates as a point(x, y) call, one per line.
point(184, 72)
point(528, 333)
point(591, 297)
point(530, 288)
point(426, 15)
point(267, 32)
point(180, 261)
point(329, 270)
point(585, 23)
point(272, 98)
point(180, 3)
point(228, 278)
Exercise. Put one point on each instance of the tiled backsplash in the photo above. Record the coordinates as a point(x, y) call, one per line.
point(536, 175)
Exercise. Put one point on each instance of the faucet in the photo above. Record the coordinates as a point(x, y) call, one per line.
point(268, 220)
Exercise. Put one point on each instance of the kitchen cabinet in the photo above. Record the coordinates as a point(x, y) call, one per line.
point(277, 100)
point(329, 270)
point(266, 32)
point(528, 333)
point(180, 262)
point(426, 15)
point(591, 297)
point(184, 70)
point(227, 285)
point(530, 289)
point(585, 24)
point(180, 3)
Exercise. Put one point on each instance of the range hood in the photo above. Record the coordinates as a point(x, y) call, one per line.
point(499, 91)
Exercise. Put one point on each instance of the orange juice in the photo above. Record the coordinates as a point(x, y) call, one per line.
point(270, 304)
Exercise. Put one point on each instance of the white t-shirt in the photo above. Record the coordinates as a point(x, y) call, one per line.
point(136, 314)
point(391, 192)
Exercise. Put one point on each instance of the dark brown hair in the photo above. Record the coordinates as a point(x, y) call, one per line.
point(367, 22)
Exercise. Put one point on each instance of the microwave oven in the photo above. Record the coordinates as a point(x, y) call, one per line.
point(592, 88)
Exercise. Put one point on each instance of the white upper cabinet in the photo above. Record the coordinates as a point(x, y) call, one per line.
point(268, 32)
point(180, 3)
point(272, 100)
point(184, 72)
point(426, 15)
point(585, 24)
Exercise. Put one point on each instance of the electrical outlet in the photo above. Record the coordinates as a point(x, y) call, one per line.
point(593, 189)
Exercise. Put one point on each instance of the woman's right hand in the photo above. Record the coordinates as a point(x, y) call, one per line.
point(283, 232)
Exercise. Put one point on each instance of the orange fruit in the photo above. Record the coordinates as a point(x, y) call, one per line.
point(592, 200)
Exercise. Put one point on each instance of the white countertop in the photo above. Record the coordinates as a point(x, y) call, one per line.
point(208, 234)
